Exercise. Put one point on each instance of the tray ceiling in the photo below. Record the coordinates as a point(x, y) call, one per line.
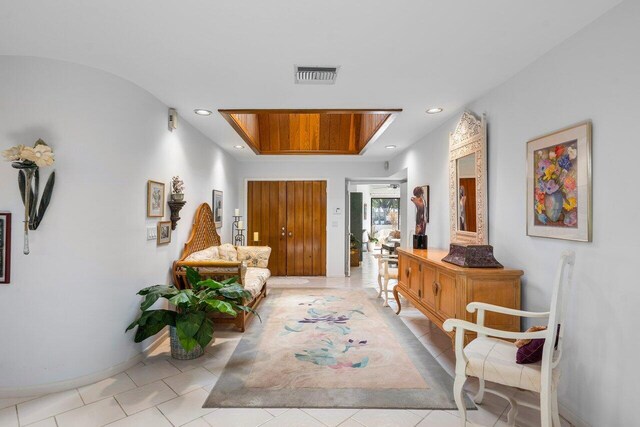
point(309, 131)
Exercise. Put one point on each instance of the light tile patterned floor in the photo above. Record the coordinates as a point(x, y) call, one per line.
point(163, 392)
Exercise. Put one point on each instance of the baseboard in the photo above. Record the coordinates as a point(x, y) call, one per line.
point(41, 389)
point(571, 416)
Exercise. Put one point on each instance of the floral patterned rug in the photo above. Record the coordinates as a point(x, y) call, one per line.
point(331, 348)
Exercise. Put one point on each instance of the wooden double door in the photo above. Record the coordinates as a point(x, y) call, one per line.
point(291, 218)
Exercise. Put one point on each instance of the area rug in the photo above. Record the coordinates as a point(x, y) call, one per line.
point(331, 348)
point(287, 281)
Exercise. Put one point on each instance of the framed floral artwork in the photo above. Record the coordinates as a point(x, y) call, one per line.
point(164, 232)
point(155, 199)
point(5, 247)
point(559, 184)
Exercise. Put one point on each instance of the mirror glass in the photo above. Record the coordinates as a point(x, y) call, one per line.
point(466, 182)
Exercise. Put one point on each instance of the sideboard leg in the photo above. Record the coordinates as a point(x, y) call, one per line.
point(395, 295)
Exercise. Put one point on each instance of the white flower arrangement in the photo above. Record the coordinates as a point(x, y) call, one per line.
point(39, 155)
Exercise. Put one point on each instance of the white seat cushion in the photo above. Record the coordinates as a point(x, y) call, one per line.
point(255, 278)
point(495, 360)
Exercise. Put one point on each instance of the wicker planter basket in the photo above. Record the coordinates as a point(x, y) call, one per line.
point(178, 352)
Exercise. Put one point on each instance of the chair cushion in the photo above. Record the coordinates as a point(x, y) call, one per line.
point(495, 360)
point(227, 252)
point(255, 278)
point(255, 256)
point(210, 253)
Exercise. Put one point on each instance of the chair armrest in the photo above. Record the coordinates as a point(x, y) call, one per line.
point(216, 263)
point(473, 306)
point(462, 325)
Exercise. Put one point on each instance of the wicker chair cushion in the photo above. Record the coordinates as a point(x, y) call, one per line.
point(254, 256)
point(255, 278)
point(204, 255)
point(227, 252)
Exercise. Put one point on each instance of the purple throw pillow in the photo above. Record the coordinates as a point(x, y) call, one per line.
point(532, 352)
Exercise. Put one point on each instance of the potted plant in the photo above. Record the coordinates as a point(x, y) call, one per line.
point(371, 242)
point(177, 189)
point(190, 328)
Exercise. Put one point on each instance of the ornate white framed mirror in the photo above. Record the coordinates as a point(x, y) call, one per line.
point(468, 181)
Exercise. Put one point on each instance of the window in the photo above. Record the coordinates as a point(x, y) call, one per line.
point(385, 214)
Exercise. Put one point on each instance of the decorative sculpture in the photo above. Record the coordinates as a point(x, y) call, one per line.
point(421, 200)
point(28, 161)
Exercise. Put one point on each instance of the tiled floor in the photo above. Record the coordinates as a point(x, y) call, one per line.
point(162, 391)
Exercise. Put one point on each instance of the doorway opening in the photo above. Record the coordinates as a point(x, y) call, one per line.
point(374, 221)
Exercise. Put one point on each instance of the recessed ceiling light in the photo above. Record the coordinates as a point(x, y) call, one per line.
point(434, 110)
point(238, 147)
point(390, 147)
point(202, 112)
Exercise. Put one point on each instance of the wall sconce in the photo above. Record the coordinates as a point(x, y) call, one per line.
point(173, 119)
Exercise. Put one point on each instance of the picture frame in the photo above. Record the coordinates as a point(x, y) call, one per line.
point(5, 247)
point(155, 199)
point(218, 208)
point(559, 184)
point(164, 232)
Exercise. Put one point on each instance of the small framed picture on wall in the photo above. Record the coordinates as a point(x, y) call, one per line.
point(5, 247)
point(155, 199)
point(217, 208)
point(164, 232)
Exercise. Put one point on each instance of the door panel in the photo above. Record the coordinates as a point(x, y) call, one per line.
point(428, 279)
point(308, 229)
point(414, 278)
point(446, 295)
point(266, 214)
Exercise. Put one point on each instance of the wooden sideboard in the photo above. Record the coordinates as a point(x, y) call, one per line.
point(441, 290)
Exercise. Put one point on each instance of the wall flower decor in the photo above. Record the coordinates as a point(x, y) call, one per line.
point(28, 161)
point(559, 184)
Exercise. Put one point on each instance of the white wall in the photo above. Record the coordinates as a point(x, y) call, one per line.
point(593, 75)
point(70, 300)
point(335, 173)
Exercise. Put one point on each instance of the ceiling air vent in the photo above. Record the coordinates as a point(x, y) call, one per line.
point(316, 75)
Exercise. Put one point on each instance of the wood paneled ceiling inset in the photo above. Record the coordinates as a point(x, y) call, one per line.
point(309, 131)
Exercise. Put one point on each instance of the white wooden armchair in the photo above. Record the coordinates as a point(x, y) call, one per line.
point(493, 359)
point(385, 274)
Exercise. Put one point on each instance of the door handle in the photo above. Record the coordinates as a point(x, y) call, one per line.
point(290, 234)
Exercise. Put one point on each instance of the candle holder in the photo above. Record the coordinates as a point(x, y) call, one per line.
point(238, 239)
point(234, 228)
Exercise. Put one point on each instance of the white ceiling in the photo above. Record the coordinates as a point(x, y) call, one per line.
point(240, 53)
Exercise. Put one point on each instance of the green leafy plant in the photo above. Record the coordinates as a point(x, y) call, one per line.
point(371, 238)
point(190, 318)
